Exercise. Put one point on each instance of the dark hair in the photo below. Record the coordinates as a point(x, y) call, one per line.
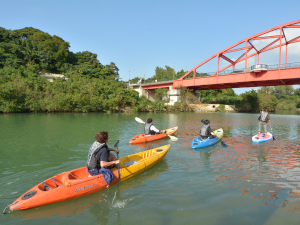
point(265, 109)
point(207, 122)
point(149, 120)
point(102, 136)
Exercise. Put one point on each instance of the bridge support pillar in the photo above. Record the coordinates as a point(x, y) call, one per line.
point(139, 89)
point(174, 95)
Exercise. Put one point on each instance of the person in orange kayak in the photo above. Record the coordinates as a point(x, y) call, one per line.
point(264, 118)
point(206, 131)
point(150, 129)
point(100, 158)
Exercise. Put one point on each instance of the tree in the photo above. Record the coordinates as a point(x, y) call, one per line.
point(161, 93)
point(266, 90)
point(283, 91)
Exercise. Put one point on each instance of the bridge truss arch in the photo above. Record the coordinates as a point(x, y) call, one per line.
point(256, 75)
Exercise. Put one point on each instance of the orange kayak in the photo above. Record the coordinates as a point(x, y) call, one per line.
point(142, 138)
point(76, 183)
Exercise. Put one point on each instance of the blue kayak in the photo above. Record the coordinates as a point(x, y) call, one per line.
point(199, 143)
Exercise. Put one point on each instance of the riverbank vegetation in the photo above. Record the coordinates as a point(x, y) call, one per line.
point(92, 87)
point(274, 98)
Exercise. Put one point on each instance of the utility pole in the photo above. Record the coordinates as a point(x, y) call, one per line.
point(174, 71)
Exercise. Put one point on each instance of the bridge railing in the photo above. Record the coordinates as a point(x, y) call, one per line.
point(224, 72)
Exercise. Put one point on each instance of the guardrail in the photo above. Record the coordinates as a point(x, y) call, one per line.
point(226, 72)
point(259, 66)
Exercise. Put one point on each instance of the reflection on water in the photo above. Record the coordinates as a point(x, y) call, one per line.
point(214, 185)
point(266, 172)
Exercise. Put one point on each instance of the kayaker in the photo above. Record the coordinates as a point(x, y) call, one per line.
point(264, 118)
point(150, 129)
point(100, 156)
point(206, 131)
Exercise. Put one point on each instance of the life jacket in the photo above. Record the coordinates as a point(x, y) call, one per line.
point(263, 116)
point(93, 162)
point(204, 131)
point(147, 129)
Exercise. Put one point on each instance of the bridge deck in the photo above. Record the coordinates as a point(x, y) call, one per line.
point(287, 75)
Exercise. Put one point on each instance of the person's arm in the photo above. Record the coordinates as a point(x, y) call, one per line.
point(111, 149)
point(103, 156)
point(269, 118)
point(153, 128)
point(106, 164)
point(211, 132)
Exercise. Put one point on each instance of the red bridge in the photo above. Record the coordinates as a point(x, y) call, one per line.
point(282, 73)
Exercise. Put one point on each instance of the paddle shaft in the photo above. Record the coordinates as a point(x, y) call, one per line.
point(118, 167)
point(272, 133)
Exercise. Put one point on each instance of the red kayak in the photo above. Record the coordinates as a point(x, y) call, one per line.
point(142, 138)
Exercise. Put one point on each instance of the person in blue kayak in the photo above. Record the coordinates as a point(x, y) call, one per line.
point(206, 131)
point(100, 159)
point(150, 129)
point(264, 118)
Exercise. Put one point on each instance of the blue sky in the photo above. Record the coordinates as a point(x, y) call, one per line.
point(138, 35)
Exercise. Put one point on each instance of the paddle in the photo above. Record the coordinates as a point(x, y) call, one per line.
point(173, 138)
point(272, 133)
point(116, 145)
point(223, 143)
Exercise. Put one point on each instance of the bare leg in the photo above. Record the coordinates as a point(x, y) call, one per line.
point(112, 157)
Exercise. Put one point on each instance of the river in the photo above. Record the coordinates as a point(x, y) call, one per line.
point(244, 183)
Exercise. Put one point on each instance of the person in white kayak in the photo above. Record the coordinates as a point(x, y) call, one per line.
point(150, 129)
point(264, 118)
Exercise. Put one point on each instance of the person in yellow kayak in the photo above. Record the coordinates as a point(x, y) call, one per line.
point(150, 129)
point(206, 131)
point(264, 118)
point(100, 159)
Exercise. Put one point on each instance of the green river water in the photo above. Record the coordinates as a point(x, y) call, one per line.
point(243, 183)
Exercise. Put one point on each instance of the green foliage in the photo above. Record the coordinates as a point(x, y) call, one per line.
point(221, 107)
point(267, 100)
point(161, 93)
point(221, 96)
point(187, 96)
point(250, 101)
point(92, 87)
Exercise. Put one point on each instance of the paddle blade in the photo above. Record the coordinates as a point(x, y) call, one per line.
point(223, 143)
point(117, 143)
point(138, 120)
point(274, 138)
point(173, 138)
point(203, 121)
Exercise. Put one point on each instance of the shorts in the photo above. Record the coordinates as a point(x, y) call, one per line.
point(93, 172)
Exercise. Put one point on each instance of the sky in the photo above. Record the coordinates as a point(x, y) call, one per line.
point(139, 35)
